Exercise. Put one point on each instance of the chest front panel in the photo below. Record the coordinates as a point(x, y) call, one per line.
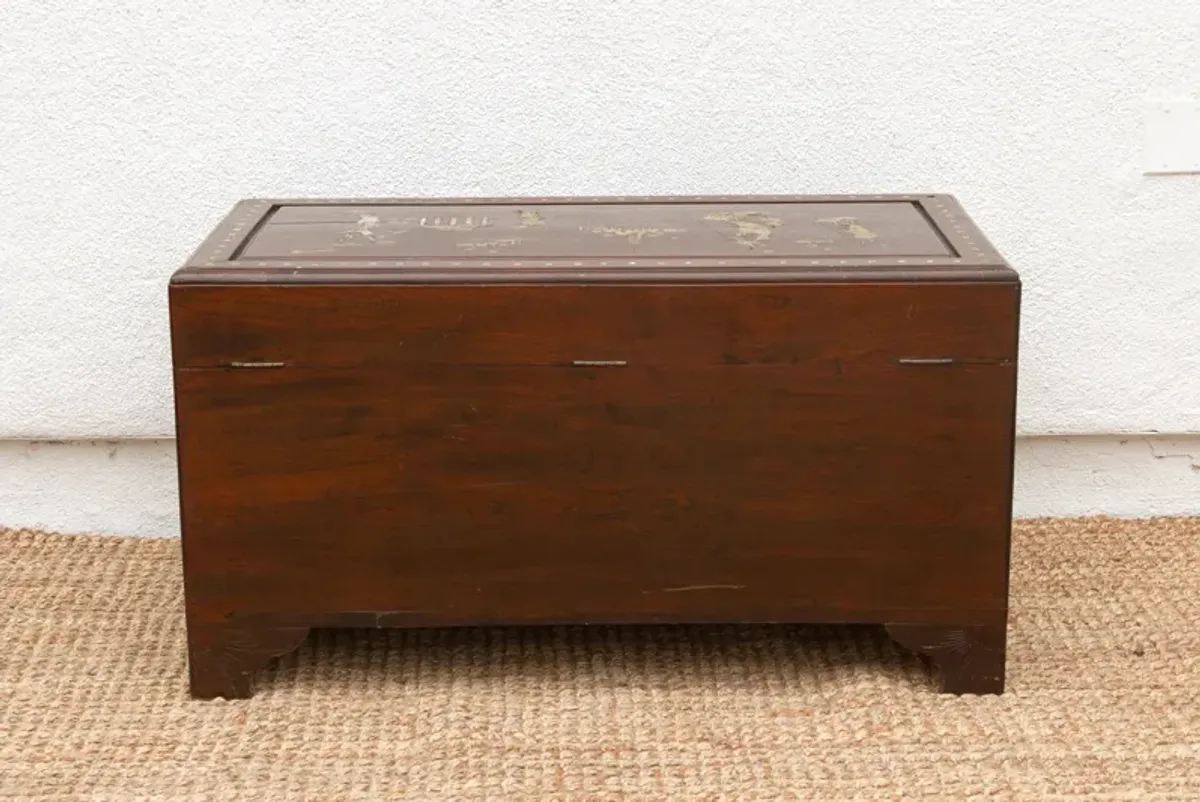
point(612, 449)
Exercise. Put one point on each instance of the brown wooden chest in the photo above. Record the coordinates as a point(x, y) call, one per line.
point(518, 411)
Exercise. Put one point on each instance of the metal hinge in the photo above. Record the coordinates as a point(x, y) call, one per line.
point(937, 360)
point(251, 365)
point(599, 363)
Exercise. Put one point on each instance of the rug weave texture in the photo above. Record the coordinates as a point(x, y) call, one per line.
point(1103, 696)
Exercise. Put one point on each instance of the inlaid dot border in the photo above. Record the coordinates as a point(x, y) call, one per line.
point(251, 214)
point(965, 233)
point(240, 226)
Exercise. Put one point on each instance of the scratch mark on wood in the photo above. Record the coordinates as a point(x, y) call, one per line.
point(483, 485)
point(693, 588)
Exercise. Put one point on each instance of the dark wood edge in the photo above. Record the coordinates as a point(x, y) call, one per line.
point(592, 200)
point(443, 618)
point(231, 233)
point(223, 657)
point(969, 658)
point(1013, 397)
point(947, 215)
point(533, 277)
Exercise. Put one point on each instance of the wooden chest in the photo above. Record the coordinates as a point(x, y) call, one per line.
point(519, 411)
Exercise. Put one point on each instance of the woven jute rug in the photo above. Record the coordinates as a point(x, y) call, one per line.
point(1103, 699)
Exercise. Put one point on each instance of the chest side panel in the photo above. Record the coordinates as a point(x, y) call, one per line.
point(837, 452)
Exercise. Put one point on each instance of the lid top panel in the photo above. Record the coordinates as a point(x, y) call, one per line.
point(702, 238)
point(613, 230)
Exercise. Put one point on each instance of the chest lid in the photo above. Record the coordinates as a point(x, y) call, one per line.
point(597, 240)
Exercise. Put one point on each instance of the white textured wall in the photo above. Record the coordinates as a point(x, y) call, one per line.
point(128, 129)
